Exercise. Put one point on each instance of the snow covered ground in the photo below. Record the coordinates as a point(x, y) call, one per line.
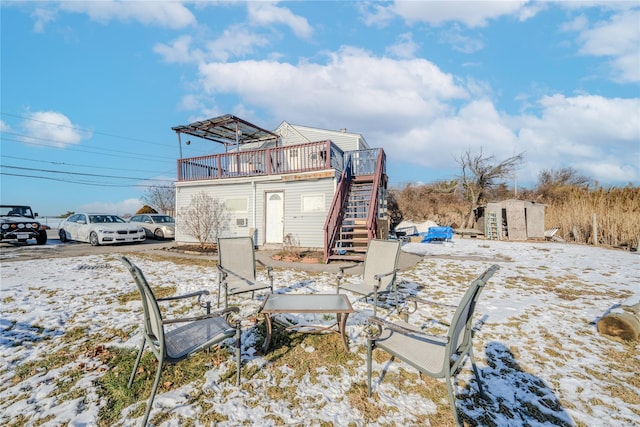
point(540, 356)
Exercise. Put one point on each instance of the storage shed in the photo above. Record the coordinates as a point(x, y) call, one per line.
point(514, 220)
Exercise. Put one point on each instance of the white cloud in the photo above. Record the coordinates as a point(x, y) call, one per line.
point(4, 127)
point(179, 51)
point(351, 86)
point(166, 14)
point(235, 41)
point(52, 129)
point(617, 38)
point(375, 14)
point(460, 42)
point(43, 16)
point(404, 48)
point(598, 136)
point(124, 207)
point(470, 13)
point(267, 13)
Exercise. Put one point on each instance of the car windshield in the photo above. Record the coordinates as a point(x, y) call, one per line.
point(163, 219)
point(15, 211)
point(104, 219)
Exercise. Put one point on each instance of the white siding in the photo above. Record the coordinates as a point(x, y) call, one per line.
point(222, 193)
point(305, 227)
point(293, 134)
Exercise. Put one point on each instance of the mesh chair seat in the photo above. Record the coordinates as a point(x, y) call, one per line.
point(192, 337)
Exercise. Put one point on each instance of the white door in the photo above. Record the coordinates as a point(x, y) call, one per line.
point(274, 217)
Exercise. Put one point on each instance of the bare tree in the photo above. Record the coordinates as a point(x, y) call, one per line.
point(480, 174)
point(551, 181)
point(162, 199)
point(205, 218)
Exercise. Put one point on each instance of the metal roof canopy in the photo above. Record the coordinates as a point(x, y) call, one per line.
point(227, 130)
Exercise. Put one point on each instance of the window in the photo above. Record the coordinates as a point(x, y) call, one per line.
point(313, 203)
point(237, 205)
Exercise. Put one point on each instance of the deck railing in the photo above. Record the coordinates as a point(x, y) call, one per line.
point(270, 161)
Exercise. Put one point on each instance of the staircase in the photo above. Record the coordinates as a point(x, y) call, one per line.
point(353, 234)
point(355, 208)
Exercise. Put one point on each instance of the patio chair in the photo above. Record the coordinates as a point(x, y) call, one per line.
point(237, 268)
point(194, 334)
point(432, 355)
point(379, 271)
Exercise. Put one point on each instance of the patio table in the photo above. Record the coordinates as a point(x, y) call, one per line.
point(307, 303)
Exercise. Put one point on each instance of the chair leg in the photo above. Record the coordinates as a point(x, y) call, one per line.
point(395, 294)
point(475, 371)
point(375, 302)
point(135, 365)
point(452, 399)
point(219, 290)
point(369, 363)
point(153, 394)
point(238, 351)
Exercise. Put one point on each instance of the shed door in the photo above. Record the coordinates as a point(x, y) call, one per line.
point(274, 217)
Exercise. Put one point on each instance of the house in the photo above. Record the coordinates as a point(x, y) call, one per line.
point(319, 188)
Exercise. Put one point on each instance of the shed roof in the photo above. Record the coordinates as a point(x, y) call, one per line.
point(227, 130)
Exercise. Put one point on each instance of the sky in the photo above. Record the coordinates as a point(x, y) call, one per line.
point(536, 345)
point(90, 90)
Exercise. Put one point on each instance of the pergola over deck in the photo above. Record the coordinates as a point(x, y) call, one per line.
point(228, 130)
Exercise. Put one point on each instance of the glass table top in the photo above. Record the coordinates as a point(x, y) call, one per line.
point(313, 303)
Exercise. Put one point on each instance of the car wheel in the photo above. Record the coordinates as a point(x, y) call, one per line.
point(93, 239)
point(41, 238)
point(158, 234)
point(63, 236)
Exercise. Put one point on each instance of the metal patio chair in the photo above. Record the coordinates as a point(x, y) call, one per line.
point(192, 335)
point(379, 271)
point(432, 355)
point(237, 268)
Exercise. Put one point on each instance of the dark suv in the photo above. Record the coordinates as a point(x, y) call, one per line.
point(18, 223)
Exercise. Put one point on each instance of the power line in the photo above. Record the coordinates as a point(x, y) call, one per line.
point(82, 174)
point(142, 156)
point(71, 164)
point(82, 182)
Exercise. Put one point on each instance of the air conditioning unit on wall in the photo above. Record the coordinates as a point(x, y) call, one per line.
point(242, 222)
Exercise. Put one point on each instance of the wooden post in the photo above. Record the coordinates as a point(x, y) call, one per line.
point(595, 230)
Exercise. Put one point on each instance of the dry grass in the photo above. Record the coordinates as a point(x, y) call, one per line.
point(571, 209)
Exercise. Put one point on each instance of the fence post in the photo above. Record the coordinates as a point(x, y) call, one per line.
point(595, 230)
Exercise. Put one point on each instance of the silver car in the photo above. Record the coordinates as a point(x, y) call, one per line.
point(158, 226)
point(99, 229)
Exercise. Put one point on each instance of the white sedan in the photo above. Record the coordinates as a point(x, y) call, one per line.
point(99, 229)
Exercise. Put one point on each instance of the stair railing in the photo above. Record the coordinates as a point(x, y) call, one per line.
point(372, 216)
point(334, 217)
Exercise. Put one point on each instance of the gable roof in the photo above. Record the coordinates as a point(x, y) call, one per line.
point(311, 134)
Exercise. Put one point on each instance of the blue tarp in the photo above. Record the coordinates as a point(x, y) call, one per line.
point(438, 233)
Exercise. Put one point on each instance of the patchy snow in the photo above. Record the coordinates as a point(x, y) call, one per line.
point(541, 359)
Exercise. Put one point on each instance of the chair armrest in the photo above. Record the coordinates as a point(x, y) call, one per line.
point(227, 312)
point(199, 294)
point(193, 294)
point(381, 275)
point(223, 270)
point(414, 300)
point(346, 267)
point(268, 267)
point(377, 325)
